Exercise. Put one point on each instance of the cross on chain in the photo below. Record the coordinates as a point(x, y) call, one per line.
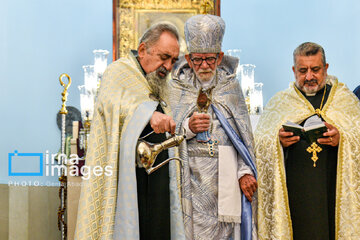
point(314, 148)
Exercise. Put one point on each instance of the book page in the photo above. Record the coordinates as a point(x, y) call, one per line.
point(313, 122)
point(291, 124)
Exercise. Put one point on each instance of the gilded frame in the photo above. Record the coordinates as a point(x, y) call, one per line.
point(132, 17)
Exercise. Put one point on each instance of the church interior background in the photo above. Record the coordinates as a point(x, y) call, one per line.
point(39, 40)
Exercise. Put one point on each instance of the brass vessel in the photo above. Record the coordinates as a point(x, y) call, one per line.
point(147, 152)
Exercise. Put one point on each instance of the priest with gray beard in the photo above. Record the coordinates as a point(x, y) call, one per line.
point(130, 204)
point(153, 190)
point(309, 189)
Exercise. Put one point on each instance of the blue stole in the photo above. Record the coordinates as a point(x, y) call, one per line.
point(246, 213)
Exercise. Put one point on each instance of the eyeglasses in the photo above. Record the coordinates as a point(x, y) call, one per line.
point(198, 61)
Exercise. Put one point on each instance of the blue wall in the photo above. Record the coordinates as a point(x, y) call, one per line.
point(269, 31)
point(41, 39)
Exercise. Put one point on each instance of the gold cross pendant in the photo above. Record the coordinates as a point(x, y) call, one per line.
point(211, 145)
point(314, 148)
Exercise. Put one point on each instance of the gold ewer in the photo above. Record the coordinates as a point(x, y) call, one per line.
point(146, 152)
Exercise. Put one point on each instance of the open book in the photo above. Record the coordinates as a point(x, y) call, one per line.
point(312, 130)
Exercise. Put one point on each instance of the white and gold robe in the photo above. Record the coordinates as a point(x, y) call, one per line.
point(342, 110)
point(122, 110)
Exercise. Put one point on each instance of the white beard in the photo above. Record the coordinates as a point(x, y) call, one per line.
point(205, 78)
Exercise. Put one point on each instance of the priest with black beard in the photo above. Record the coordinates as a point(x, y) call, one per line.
point(309, 190)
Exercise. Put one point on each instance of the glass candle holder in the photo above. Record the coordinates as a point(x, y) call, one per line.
point(256, 99)
point(100, 64)
point(100, 60)
point(87, 101)
point(90, 78)
point(234, 53)
point(247, 78)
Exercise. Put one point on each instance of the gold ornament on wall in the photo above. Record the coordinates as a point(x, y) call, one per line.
point(132, 17)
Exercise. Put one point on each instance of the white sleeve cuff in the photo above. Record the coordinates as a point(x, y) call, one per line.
point(188, 133)
point(243, 169)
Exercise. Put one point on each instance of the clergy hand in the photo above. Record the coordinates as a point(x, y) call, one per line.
point(161, 123)
point(248, 185)
point(286, 138)
point(199, 122)
point(331, 137)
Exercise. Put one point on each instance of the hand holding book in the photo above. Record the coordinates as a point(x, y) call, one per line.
point(287, 138)
point(314, 130)
point(331, 137)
